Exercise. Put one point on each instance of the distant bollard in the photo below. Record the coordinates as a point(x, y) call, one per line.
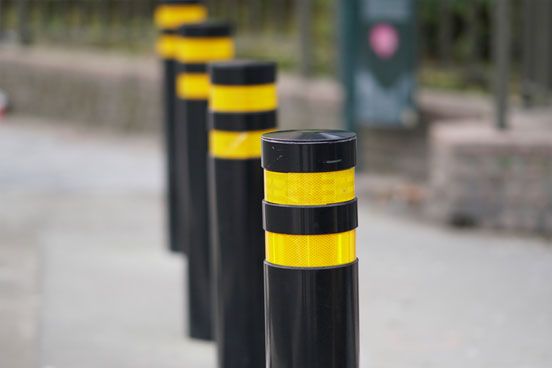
point(169, 15)
point(4, 104)
point(311, 276)
point(243, 107)
point(198, 45)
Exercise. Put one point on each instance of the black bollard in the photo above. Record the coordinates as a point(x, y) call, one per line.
point(169, 15)
point(198, 45)
point(311, 277)
point(242, 108)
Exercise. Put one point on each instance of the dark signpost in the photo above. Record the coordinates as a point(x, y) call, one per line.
point(379, 62)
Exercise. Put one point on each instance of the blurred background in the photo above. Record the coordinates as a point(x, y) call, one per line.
point(452, 101)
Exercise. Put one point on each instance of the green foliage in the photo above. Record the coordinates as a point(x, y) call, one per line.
point(267, 29)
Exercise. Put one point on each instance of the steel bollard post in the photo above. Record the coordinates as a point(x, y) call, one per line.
point(169, 15)
point(311, 274)
point(198, 45)
point(243, 107)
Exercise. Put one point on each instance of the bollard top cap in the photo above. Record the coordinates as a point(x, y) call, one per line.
point(179, 2)
point(207, 29)
point(243, 72)
point(310, 136)
point(308, 150)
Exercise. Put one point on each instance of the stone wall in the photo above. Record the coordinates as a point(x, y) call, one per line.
point(104, 91)
point(481, 176)
point(122, 92)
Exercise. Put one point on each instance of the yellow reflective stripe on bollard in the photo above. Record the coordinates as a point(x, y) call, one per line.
point(236, 145)
point(250, 98)
point(166, 46)
point(324, 250)
point(310, 189)
point(192, 86)
point(173, 16)
point(204, 49)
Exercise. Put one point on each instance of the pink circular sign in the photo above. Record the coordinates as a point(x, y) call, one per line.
point(384, 40)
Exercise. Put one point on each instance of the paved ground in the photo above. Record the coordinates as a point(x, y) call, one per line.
point(85, 281)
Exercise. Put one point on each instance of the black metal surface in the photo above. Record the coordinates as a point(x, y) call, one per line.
point(168, 32)
point(192, 186)
point(238, 256)
point(172, 215)
point(309, 150)
point(242, 72)
point(176, 2)
point(192, 68)
point(206, 29)
point(310, 220)
point(239, 122)
point(312, 317)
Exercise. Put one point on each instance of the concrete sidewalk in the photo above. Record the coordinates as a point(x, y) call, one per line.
point(85, 280)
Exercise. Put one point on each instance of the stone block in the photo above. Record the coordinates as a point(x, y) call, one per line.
point(492, 178)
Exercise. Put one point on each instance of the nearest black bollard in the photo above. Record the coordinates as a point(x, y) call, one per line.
point(242, 108)
point(311, 276)
point(169, 15)
point(198, 45)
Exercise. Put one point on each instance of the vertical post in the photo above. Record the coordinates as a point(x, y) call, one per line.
point(23, 22)
point(242, 108)
point(129, 14)
point(169, 15)
point(1, 19)
point(67, 30)
point(473, 30)
point(502, 61)
point(549, 89)
point(304, 17)
point(528, 53)
point(106, 19)
point(445, 32)
point(543, 47)
point(199, 44)
point(349, 30)
point(46, 16)
point(311, 271)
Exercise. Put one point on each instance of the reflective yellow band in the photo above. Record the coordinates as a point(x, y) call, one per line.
point(166, 46)
point(254, 98)
point(192, 86)
point(309, 189)
point(204, 49)
point(173, 16)
point(236, 145)
point(311, 250)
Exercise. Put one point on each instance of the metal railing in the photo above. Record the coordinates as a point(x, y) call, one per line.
point(456, 36)
point(104, 23)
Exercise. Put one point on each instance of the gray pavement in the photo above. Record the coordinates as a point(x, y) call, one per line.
point(85, 280)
